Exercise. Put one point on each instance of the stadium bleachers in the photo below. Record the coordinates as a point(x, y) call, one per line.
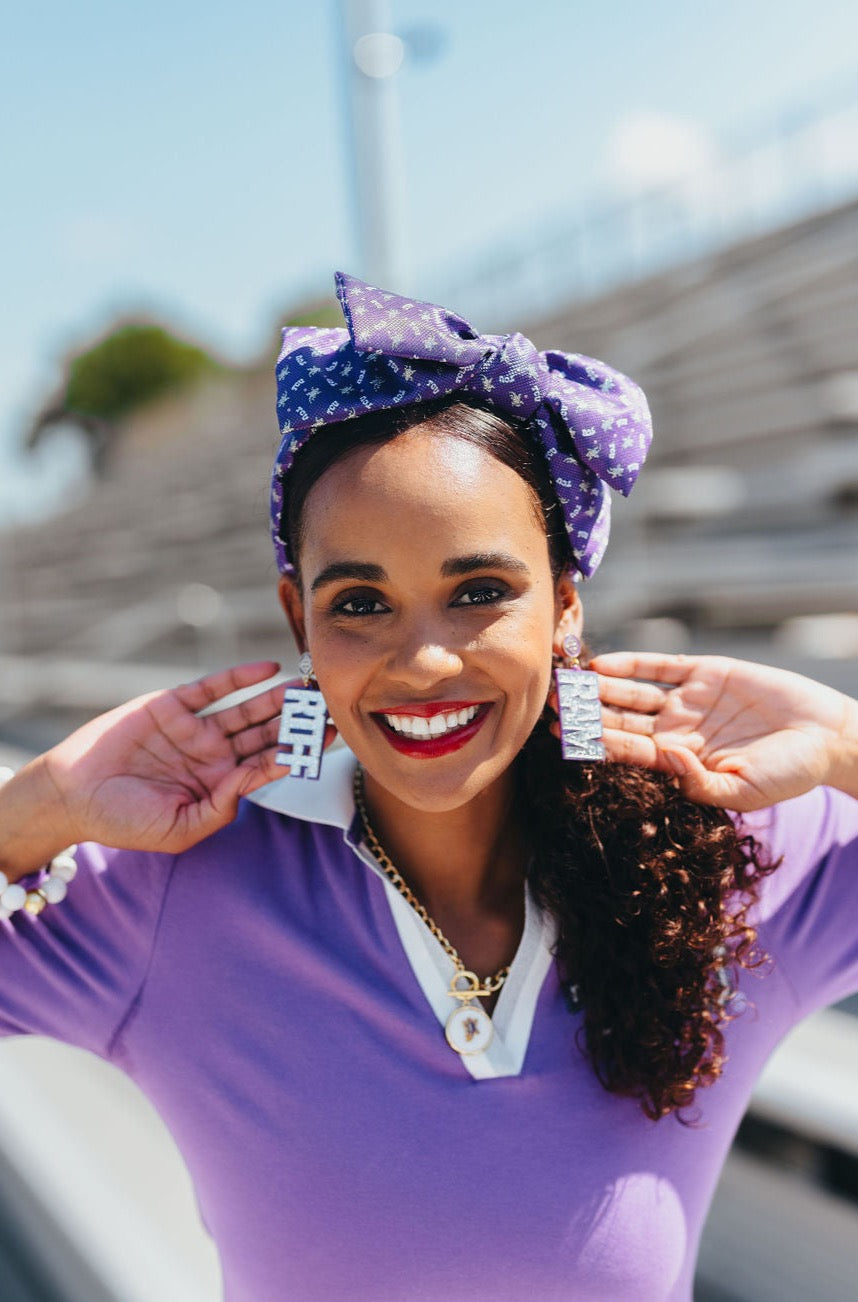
point(749, 359)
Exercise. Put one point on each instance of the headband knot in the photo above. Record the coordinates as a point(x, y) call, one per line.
point(592, 422)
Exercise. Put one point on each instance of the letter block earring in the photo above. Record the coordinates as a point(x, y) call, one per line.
point(302, 726)
point(578, 707)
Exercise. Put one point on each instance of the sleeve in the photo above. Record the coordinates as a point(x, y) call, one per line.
point(75, 971)
point(807, 913)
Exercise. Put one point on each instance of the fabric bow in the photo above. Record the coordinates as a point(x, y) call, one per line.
point(592, 422)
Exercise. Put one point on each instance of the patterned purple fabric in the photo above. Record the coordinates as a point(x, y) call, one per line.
point(592, 422)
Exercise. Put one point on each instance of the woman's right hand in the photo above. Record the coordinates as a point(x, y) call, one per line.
point(153, 775)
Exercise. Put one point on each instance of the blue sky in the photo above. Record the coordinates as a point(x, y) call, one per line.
point(189, 159)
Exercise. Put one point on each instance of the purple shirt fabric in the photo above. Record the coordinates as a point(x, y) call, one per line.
point(257, 990)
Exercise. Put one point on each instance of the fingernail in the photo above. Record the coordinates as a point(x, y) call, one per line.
point(676, 762)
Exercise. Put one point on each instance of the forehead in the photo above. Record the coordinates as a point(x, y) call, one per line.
point(429, 491)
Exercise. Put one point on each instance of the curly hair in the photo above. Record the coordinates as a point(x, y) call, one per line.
point(651, 892)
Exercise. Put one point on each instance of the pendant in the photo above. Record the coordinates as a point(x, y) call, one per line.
point(580, 714)
point(469, 1028)
point(302, 731)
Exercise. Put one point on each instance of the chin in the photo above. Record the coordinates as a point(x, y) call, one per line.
point(435, 788)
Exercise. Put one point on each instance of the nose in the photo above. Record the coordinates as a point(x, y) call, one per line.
point(424, 656)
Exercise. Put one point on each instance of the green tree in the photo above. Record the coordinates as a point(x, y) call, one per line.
point(131, 365)
point(323, 313)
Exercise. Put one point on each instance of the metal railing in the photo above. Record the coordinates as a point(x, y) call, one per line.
point(801, 163)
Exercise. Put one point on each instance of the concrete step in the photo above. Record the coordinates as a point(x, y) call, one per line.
point(772, 1238)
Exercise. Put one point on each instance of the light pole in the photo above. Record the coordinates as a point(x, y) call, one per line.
point(373, 57)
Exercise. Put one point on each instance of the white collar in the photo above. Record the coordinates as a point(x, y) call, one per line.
point(330, 800)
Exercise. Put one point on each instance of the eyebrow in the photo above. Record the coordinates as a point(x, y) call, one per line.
point(364, 572)
point(339, 570)
point(483, 561)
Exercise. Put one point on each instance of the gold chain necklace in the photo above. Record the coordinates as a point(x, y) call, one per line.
point(469, 1028)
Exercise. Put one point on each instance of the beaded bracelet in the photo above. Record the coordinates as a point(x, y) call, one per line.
point(61, 870)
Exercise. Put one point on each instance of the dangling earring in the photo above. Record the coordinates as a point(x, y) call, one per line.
point(302, 725)
point(578, 706)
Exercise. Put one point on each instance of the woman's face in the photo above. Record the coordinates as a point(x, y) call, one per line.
point(430, 612)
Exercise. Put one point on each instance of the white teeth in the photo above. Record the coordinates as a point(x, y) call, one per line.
point(410, 725)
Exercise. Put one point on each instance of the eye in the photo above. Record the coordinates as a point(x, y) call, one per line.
point(483, 594)
point(359, 605)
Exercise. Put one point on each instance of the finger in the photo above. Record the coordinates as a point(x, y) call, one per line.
point(207, 690)
point(254, 741)
point(633, 748)
point(265, 767)
point(641, 702)
point(630, 695)
point(628, 721)
point(623, 747)
point(251, 712)
point(255, 709)
point(241, 781)
point(728, 790)
point(654, 665)
point(681, 740)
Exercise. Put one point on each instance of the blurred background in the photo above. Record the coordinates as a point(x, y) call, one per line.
point(670, 187)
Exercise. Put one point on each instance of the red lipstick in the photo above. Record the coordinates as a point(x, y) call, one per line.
point(426, 709)
point(432, 747)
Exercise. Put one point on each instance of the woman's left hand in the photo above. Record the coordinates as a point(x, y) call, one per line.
point(735, 734)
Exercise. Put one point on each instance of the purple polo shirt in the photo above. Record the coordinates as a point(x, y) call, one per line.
point(269, 995)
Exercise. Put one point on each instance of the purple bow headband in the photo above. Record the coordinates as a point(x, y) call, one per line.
point(592, 422)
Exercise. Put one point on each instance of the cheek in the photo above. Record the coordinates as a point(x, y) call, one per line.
point(343, 664)
point(534, 655)
point(522, 667)
point(535, 679)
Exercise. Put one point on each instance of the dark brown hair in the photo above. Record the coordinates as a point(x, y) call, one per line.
point(650, 891)
point(451, 416)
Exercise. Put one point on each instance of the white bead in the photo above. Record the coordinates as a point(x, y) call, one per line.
point(54, 889)
point(63, 867)
point(13, 897)
point(6, 774)
point(4, 882)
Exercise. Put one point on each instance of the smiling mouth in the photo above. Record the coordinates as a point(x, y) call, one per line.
point(437, 730)
point(437, 725)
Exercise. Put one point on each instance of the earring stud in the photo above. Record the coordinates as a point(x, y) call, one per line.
point(572, 648)
point(305, 667)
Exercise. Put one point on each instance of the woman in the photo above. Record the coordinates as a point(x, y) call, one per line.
point(432, 1023)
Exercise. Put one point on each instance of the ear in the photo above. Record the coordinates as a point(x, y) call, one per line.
point(569, 613)
point(293, 605)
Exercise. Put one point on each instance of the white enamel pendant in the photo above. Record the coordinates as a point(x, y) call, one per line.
point(469, 1028)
